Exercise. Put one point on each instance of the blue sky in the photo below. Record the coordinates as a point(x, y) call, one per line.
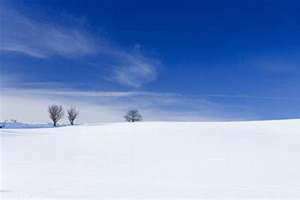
point(191, 60)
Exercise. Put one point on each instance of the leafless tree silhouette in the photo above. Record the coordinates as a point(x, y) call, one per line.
point(56, 113)
point(133, 116)
point(72, 115)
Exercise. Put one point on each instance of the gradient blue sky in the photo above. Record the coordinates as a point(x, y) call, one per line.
point(185, 60)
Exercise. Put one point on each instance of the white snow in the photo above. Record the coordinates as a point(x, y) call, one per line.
point(153, 160)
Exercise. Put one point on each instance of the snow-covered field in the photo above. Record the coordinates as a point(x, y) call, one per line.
point(153, 160)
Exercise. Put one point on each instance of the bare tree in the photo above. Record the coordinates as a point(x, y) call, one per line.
point(133, 116)
point(56, 113)
point(72, 115)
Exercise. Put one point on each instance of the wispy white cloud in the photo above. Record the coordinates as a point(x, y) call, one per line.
point(102, 106)
point(80, 93)
point(33, 108)
point(135, 71)
point(43, 40)
point(24, 35)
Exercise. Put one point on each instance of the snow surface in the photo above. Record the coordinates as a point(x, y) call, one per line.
point(153, 160)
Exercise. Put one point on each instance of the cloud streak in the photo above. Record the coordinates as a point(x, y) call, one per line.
point(23, 35)
point(30, 105)
point(135, 71)
point(41, 40)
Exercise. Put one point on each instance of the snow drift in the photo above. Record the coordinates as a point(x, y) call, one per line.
point(154, 160)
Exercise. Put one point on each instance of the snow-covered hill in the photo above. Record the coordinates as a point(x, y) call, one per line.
point(154, 160)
